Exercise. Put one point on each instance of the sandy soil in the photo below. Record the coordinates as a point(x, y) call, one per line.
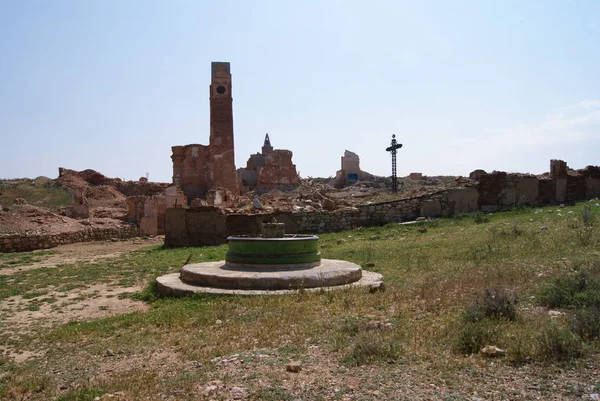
point(79, 304)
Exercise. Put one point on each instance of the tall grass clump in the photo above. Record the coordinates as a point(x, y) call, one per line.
point(545, 341)
point(588, 217)
point(493, 303)
point(480, 320)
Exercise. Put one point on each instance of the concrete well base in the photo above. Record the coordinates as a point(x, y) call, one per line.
point(218, 278)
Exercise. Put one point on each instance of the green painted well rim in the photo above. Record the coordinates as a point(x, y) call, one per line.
point(288, 250)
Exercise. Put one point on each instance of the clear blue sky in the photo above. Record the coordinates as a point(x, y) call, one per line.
point(111, 85)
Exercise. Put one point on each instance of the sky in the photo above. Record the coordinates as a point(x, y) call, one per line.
point(111, 85)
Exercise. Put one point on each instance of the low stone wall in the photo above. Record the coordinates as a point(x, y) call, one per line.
point(209, 225)
point(23, 242)
point(496, 191)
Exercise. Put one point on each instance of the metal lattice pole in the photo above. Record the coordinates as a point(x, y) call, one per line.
point(394, 149)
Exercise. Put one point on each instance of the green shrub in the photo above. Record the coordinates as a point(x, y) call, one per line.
point(492, 304)
point(472, 337)
point(586, 323)
point(557, 344)
point(480, 218)
point(545, 341)
point(578, 290)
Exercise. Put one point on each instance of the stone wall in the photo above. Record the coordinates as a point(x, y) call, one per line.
point(209, 226)
point(148, 212)
point(492, 192)
point(22, 242)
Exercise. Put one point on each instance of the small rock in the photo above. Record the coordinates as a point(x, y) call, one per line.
point(543, 228)
point(109, 352)
point(421, 218)
point(595, 396)
point(377, 287)
point(340, 241)
point(561, 205)
point(328, 204)
point(374, 237)
point(218, 321)
point(370, 264)
point(257, 204)
point(555, 313)
point(422, 229)
point(239, 393)
point(492, 351)
point(210, 389)
point(294, 366)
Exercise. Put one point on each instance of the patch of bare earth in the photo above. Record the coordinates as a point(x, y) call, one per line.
point(85, 252)
point(21, 316)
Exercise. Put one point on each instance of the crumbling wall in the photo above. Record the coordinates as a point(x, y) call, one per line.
point(195, 226)
point(350, 163)
point(350, 170)
point(148, 212)
point(209, 226)
point(278, 170)
point(270, 169)
point(490, 189)
point(24, 242)
point(495, 191)
point(190, 170)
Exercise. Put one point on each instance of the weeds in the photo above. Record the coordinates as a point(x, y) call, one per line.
point(370, 348)
point(427, 277)
point(544, 341)
point(516, 229)
point(494, 303)
point(586, 323)
point(480, 218)
point(588, 217)
point(578, 290)
point(557, 344)
point(472, 337)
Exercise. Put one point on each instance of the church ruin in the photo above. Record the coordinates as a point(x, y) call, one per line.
point(268, 169)
point(199, 170)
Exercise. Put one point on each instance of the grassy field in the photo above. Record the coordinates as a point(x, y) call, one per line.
point(525, 281)
point(38, 192)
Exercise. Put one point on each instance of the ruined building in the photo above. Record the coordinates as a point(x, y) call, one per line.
point(350, 171)
point(268, 169)
point(199, 168)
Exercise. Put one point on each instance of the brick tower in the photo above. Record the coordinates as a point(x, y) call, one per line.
point(221, 161)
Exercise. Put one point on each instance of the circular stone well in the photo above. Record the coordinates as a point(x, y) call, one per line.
point(257, 265)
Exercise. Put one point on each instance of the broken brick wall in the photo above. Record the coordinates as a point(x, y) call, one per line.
point(278, 170)
point(190, 170)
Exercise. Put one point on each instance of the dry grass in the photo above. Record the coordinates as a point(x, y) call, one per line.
point(399, 344)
